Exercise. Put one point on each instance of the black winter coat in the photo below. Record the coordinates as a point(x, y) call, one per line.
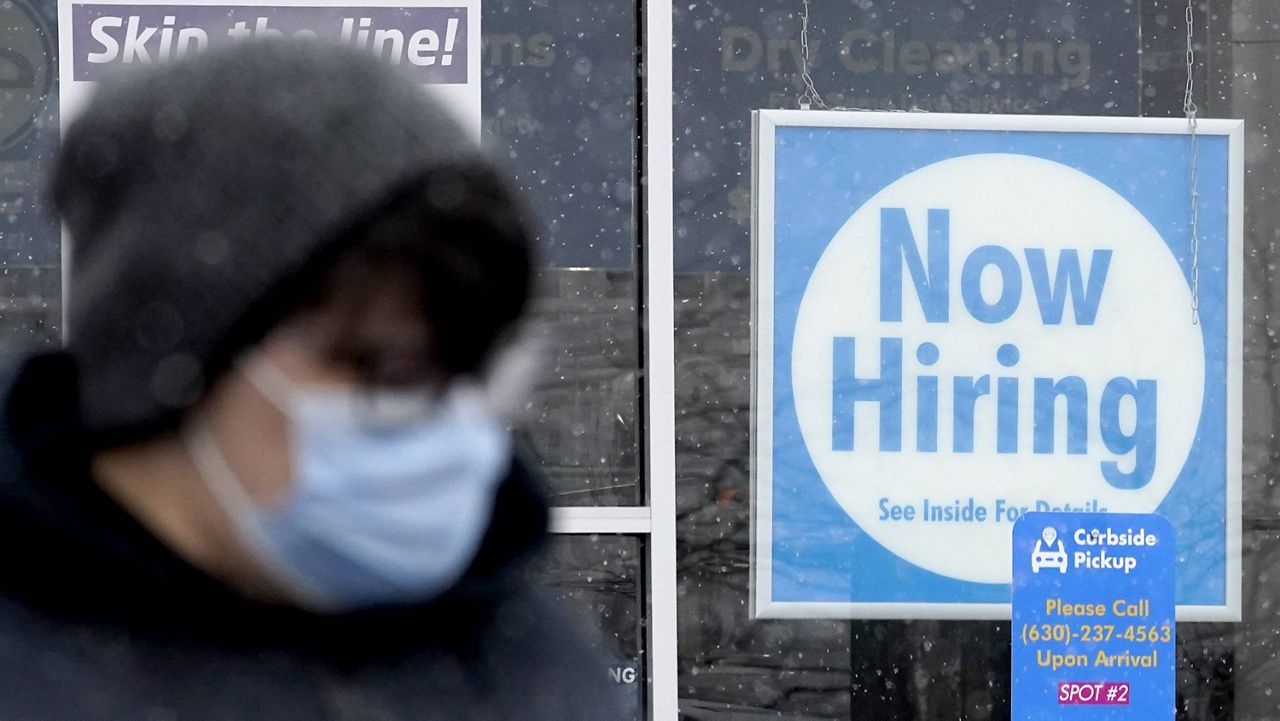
point(100, 620)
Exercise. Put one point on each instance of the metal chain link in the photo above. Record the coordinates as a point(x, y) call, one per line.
point(1191, 110)
point(810, 95)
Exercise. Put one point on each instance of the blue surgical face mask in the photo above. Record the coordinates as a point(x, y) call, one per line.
point(391, 495)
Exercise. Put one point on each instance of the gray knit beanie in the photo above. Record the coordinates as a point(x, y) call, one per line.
point(197, 195)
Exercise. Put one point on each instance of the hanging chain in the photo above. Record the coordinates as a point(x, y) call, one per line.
point(1189, 107)
point(810, 95)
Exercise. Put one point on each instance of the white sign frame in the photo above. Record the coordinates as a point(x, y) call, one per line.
point(764, 126)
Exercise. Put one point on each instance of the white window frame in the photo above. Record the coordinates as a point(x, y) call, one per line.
point(657, 519)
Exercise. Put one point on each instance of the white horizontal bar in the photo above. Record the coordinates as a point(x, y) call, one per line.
point(983, 121)
point(601, 519)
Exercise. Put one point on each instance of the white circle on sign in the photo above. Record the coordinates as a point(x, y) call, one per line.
point(1142, 331)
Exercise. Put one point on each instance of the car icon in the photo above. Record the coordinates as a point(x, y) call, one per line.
point(1052, 558)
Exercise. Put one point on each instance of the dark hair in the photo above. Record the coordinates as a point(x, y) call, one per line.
point(461, 242)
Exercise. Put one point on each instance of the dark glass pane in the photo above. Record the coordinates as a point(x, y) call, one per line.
point(582, 429)
point(1007, 56)
point(599, 578)
point(30, 273)
point(560, 107)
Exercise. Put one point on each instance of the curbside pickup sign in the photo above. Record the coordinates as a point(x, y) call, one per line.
point(963, 319)
point(435, 42)
point(1093, 628)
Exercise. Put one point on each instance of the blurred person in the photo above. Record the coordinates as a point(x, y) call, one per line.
point(268, 477)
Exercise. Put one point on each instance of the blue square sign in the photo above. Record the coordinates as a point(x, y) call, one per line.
point(1093, 617)
point(963, 319)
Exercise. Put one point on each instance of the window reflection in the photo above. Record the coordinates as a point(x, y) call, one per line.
point(599, 578)
point(560, 89)
point(30, 277)
point(1128, 59)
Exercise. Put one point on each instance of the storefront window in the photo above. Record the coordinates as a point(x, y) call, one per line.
point(560, 98)
point(564, 88)
point(560, 107)
point(1124, 59)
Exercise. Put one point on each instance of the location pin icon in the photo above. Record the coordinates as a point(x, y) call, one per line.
point(1050, 535)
